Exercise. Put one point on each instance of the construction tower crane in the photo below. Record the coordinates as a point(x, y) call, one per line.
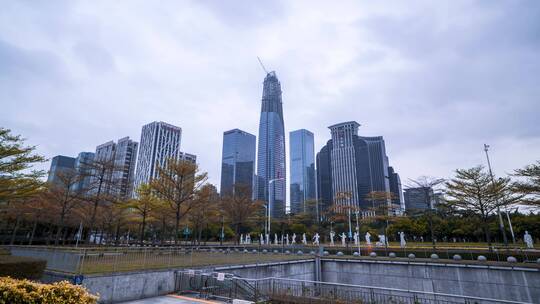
point(262, 65)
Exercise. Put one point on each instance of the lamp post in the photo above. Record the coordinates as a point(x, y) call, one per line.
point(270, 199)
point(501, 224)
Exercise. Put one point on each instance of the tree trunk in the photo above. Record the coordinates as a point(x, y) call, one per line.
point(487, 232)
point(142, 229)
point(14, 233)
point(177, 225)
point(34, 226)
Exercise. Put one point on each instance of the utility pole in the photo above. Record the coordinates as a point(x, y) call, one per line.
point(501, 223)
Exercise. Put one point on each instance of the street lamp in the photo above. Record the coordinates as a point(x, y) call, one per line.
point(501, 223)
point(270, 199)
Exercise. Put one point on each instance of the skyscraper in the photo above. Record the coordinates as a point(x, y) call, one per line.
point(60, 165)
point(324, 177)
point(349, 167)
point(396, 189)
point(418, 199)
point(124, 164)
point(301, 147)
point(159, 142)
point(271, 175)
point(83, 165)
point(237, 162)
point(118, 159)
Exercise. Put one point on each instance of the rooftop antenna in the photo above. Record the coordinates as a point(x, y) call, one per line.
point(262, 65)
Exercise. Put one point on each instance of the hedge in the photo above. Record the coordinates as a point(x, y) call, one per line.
point(14, 291)
point(21, 267)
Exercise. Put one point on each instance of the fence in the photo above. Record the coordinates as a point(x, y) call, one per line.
point(282, 290)
point(117, 259)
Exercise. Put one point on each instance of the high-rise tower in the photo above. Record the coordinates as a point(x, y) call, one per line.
point(271, 173)
point(302, 170)
point(238, 162)
point(159, 142)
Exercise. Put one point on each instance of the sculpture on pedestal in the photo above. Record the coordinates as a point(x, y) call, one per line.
point(332, 235)
point(368, 238)
point(304, 240)
point(293, 240)
point(316, 239)
point(355, 238)
point(343, 239)
point(402, 242)
point(527, 238)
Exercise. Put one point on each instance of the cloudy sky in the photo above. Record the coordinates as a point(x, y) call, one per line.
point(437, 79)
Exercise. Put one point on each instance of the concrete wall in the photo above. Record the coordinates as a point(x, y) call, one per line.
point(131, 286)
point(300, 270)
point(507, 283)
point(59, 260)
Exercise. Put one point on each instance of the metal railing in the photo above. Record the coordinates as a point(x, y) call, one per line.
point(283, 290)
point(118, 259)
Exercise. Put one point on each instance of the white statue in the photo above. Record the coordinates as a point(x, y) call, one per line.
point(421, 239)
point(275, 239)
point(261, 239)
point(355, 235)
point(332, 235)
point(368, 238)
point(267, 239)
point(287, 239)
point(402, 242)
point(304, 240)
point(343, 239)
point(527, 238)
point(382, 239)
point(248, 239)
point(316, 239)
point(241, 239)
point(293, 240)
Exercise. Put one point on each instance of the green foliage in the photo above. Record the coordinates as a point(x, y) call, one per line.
point(22, 267)
point(529, 184)
point(14, 291)
point(15, 158)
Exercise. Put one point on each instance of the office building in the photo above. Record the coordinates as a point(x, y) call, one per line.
point(398, 202)
point(418, 199)
point(83, 165)
point(60, 165)
point(271, 160)
point(160, 141)
point(117, 160)
point(237, 162)
point(350, 167)
point(302, 166)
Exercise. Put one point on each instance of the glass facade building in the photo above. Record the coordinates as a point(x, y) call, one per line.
point(237, 162)
point(60, 165)
point(83, 165)
point(302, 166)
point(271, 174)
point(418, 199)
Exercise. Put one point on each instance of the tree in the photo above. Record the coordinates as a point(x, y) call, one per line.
point(239, 207)
point(205, 209)
point(101, 190)
point(142, 206)
point(15, 160)
point(62, 197)
point(473, 190)
point(176, 184)
point(530, 186)
point(428, 183)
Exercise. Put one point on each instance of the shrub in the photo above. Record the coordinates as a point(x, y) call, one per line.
point(14, 291)
point(21, 267)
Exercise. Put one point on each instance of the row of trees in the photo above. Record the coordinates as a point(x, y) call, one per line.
point(181, 204)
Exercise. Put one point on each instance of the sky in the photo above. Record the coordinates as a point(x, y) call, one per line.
point(436, 79)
